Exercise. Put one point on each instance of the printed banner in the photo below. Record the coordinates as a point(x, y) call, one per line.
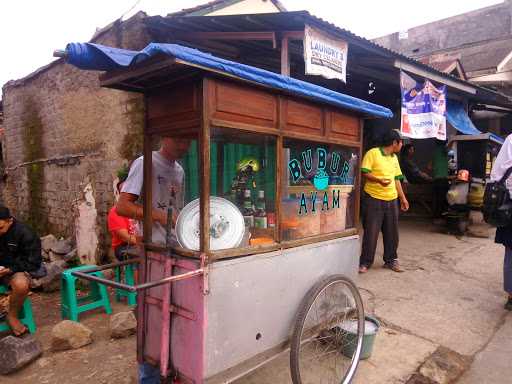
point(324, 55)
point(423, 109)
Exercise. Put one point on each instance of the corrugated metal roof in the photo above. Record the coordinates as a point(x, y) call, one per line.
point(293, 21)
point(215, 5)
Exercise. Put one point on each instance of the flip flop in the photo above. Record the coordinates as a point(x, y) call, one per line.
point(23, 333)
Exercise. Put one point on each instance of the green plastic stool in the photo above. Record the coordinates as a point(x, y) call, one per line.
point(26, 316)
point(71, 305)
point(129, 279)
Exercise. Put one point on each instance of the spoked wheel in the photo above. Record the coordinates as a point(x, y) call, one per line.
point(328, 334)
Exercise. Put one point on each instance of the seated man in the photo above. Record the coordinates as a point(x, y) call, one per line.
point(20, 254)
point(412, 172)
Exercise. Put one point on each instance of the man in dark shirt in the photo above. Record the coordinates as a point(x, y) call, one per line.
point(20, 254)
point(412, 172)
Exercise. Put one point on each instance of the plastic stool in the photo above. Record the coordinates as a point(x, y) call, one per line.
point(129, 279)
point(71, 305)
point(25, 315)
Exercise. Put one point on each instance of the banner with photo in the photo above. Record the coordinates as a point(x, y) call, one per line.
point(324, 55)
point(423, 109)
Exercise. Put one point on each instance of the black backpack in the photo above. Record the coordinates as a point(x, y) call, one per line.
point(497, 203)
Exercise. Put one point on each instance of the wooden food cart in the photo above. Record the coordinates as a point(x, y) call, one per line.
point(209, 315)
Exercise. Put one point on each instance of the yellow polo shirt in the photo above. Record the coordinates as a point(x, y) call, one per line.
point(383, 166)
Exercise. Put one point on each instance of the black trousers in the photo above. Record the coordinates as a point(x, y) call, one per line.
point(440, 188)
point(379, 216)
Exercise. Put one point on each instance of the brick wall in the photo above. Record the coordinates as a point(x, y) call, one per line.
point(63, 131)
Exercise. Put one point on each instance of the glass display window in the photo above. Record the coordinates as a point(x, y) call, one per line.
point(242, 184)
point(318, 188)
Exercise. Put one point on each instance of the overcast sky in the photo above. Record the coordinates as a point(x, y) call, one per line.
point(31, 29)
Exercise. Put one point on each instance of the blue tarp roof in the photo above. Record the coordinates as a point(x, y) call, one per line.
point(98, 57)
point(457, 116)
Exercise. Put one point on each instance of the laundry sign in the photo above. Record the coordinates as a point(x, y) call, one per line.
point(324, 55)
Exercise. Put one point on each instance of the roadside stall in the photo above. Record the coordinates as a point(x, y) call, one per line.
point(472, 159)
point(261, 256)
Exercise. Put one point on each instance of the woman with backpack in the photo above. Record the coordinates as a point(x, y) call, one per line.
point(504, 233)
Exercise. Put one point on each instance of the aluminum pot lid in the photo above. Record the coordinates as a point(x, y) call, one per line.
point(226, 225)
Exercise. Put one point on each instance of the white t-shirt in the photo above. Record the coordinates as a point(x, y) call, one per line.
point(166, 176)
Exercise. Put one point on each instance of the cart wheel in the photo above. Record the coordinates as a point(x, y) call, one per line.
point(328, 333)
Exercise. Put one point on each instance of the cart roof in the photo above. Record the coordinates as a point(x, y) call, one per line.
point(98, 57)
point(481, 136)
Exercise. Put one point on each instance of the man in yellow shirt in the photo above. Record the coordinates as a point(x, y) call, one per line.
point(382, 190)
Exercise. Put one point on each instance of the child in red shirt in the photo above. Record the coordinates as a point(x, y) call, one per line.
point(122, 230)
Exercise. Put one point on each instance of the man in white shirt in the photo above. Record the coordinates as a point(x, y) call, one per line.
point(168, 177)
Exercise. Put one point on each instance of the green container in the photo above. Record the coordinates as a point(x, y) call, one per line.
point(371, 329)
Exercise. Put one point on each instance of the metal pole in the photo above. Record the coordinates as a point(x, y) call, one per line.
point(140, 287)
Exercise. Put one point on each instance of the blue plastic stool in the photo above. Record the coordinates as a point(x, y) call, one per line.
point(71, 305)
point(25, 315)
point(129, 279)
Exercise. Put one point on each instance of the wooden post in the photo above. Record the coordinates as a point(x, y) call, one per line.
point(204, 170)
point(147, 228)
point(285, 57)
point(281, 122)
point(220, 169)
point(279, 187)
point(358, 184)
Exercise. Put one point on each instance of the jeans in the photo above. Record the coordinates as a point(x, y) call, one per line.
point(148, 374)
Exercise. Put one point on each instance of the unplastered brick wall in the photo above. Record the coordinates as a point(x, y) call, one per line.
point(63, 132)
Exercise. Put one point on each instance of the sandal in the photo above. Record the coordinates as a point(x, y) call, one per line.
point(363, 269)
point(21, 334)
point(394, 266)
point(508, 304)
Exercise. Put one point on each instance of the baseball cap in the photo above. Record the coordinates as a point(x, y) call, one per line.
point(4, 213)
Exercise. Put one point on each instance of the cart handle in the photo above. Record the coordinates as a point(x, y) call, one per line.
point(135, 288)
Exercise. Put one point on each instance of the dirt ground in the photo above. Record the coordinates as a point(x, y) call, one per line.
point(449, 296)
point(104, 361)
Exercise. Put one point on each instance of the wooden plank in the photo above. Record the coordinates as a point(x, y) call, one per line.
point(254, 36)
point(220, 169)
point(174, 110)
point(285, 57)
point(204, 170)
point(358, 184)
point(321, 139)
point(293, 35)
point(343, 126)
point(318, 238)
point(173, 101)
point(303, 117)
point(243, 127)
point(122, 75)
point(280, 171)
point(147, 179)
point(147, 228)
point(176, 251)
point(187, 126)
point(243, 104)
point(243, 251)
